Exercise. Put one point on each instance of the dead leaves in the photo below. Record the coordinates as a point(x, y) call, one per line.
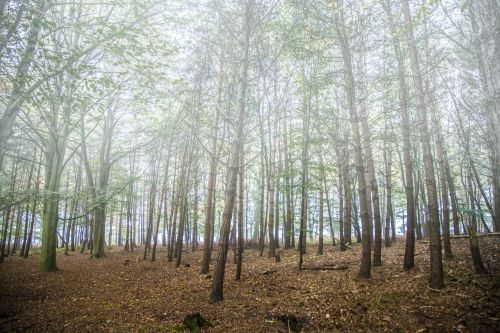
point(106, 295)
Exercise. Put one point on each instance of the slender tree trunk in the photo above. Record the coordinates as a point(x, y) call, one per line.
point(453, 197)
point(8, 210)
point(270, 195)
point(485, 30)
point(261, 208)
point(365, 268)
point(440, 151)
point(33, 210)
point(151, 209)
point(329, 208)
point(304, 176)
point(348, 206)
point(388, 185)
point(232, 174)
point(17, 95)
point(436, 279)
point(73, 207)
point(183, 192)
point(287, 228)
point(209, 213)
point(173, 221)
point(241, 240)
point(26, 209)
point(372, 189)
point(409, 259)
point(342, 211)
point(194, 239)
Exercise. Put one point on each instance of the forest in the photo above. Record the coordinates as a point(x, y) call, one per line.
point(250, 166)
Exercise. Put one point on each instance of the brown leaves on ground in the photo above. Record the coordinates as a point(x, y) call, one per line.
point(116, 295)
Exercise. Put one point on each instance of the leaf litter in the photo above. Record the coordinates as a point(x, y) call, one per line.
point(122, 294)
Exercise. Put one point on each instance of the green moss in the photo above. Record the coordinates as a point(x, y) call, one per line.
point(178, 328)
point(195, 323)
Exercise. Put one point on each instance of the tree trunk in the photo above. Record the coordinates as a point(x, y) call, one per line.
point(440, 151)
point(389, 214)
point(342, 211)
point(209, 214)
point(271, 183)
point(372, 189)
point(365, 268)
point(453, 197)
point(485, 31)
point(436, 265)
point(304, 175)
point(33, 210)
point(287, 228)
point(183, 192)
point(409, 258)
point(232, 173)
point(17, 95)
point(241, 240)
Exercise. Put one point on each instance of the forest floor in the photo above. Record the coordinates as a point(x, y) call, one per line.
point(112, 295)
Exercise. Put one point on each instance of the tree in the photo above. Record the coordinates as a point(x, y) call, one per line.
point(409, 259)
point(216, 294)
point(207, 238)
point(485, 30)
point(436, 269)
point(365, 268)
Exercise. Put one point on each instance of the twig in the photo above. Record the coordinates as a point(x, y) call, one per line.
point(436, 290)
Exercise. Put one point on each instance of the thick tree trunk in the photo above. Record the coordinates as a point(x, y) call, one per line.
point(53, 173)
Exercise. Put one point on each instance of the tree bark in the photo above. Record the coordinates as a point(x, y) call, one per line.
point(436, 279)
point(486, 32)
point(409, 258)
point(232, 173)
point(241, 239)
point(209, 221)
point(365, 268)
point(17, 95)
